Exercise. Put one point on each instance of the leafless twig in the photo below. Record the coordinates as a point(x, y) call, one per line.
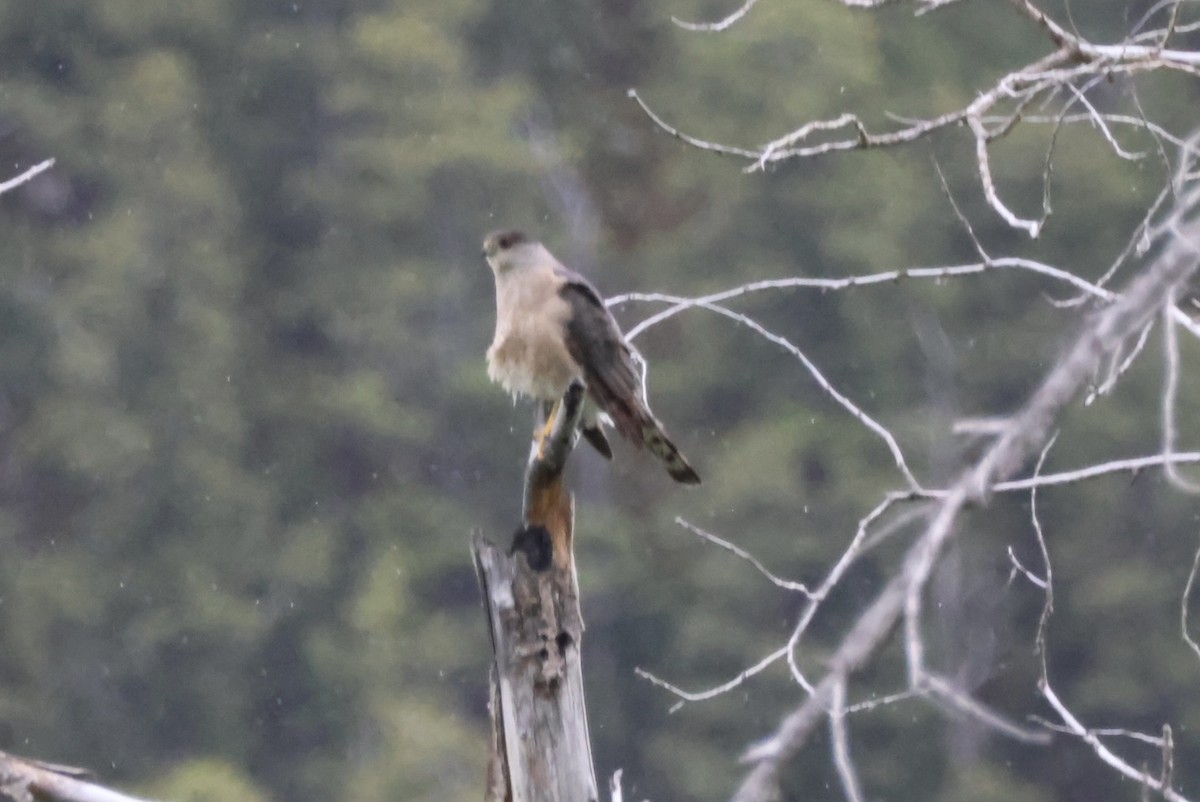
point(719, 25)
point(1073, 726)
point(1047, 583)
point(1026, 433)
point(1187, 596)
point(786, 584)
point(1000, 264)
point(841, 744)
point(1170, 392)
point(1131, 465)
point(809, 365)
point(27, 176)
point(858, 545)
point(1121, 362)
point(1076, 65)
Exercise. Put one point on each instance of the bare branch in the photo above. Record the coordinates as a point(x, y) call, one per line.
point(1048, 581)
point(1103, 732)
point(841, 744)
point(882, 701)
point(1170, 391)
point(1031, 227)
point(1117, 369)
point(1091, 739)
point(27, 176)
point(691, 140)
point(716, 690)
point(962, 218)
point(1071, 79)
point(802, 133)
point(857, 547)
point(1168, 758)
point(1131, 465)
point(1026, 433)
point(786, 584)
point(1019, 567)
point(680, 303)
point(26, 779)
point(942, 690)
point(812, 369)
point(1101, 124)
point(719, 25)
point(1074, 59)
point(939, 689)
point(1187, 596)
point(1136, 28)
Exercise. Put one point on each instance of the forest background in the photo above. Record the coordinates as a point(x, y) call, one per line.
point(246, 431)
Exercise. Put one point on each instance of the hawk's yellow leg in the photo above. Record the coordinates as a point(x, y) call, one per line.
point(547, 429)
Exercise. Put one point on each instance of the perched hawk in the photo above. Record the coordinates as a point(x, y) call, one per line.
point(551, 328)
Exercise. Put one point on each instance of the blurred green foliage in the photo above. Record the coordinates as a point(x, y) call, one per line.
point(246, 431)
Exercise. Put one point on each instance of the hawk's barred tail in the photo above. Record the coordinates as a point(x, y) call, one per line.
point(656, 440)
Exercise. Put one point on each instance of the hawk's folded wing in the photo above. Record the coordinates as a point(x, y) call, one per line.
point(595, 342)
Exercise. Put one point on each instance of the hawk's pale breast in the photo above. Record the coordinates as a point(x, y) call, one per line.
point(528, 355)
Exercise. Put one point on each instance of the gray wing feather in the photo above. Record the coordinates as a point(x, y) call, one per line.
point(595, 342)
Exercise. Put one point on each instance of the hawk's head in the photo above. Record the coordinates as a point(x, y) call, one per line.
point(501, 248)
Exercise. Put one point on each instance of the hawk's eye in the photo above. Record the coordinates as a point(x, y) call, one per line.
point(506, 241)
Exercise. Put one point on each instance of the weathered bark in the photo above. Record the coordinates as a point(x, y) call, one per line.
point(540, 746)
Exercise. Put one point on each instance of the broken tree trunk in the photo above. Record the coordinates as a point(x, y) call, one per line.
point(540, 750)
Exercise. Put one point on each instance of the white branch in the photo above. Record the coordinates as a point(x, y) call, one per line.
point(886, 277)
point(814, 371)
point(786, 584)
point(891, 698)
point(1103, 752)
point(1118, 367)
point(857, 547)
point(719, 25)
point(1048, 581)
point(24, 778)
point(1019, 567)
point(1074, 60)
point(1104, 732)
point(1187, 595)
point(1170, 392)
point(1026, 433)
point(25, 177)
point(943, 691)
point(716, 690)
point(982, 159)
point(1131, 465)
point(1098, 118)
point(841, 744)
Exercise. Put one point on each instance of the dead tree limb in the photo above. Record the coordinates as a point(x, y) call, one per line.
point(26, 780)
point(540, 750)
point(1018, 438)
